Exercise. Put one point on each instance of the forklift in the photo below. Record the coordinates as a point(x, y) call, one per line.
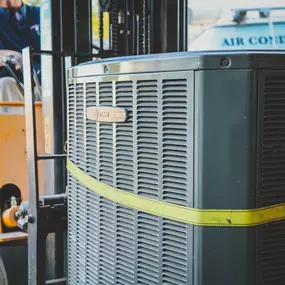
point(136, 28)
point(36, 228)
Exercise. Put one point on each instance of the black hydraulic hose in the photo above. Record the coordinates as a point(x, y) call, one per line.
point(96, 47)
point(35, 76)
point(11, 72)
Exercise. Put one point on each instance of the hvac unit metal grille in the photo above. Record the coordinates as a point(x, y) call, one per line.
point(107, 213)
point(77, 197)
point(148, 156)
point(92, 203)
point(125, 173)
point(148, 180)
point(174, 161)
point(272, 180)
point(72, 227)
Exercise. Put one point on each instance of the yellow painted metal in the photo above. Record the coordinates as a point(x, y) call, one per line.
point(32, 2)
point(9, 218)
point(198, 217)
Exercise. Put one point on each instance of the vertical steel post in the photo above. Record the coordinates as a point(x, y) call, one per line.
point(169, 28)
point(53, 118)
point(36, 239)
point(66, 25)
point(83, 27)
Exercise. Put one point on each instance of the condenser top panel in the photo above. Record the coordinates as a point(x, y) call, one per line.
point(181, 61)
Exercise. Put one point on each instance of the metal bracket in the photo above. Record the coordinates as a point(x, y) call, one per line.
point(47, 214)
point(52, 214)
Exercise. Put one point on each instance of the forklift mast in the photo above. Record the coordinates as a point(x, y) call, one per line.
point(136, 27)
point(144, 27)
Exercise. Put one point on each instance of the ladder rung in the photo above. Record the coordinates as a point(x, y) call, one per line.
point(53, 156)
point(57, 281)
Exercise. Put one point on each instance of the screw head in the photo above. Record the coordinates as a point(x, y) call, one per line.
point(29, 219)
point(18, 214)
point(106, 69)
point(225, 62)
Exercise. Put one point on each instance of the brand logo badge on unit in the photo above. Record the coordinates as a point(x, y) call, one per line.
point(107, 114)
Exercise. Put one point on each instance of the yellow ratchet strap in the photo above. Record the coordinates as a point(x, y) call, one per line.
point(193, 216)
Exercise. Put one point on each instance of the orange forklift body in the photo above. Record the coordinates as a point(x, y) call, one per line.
point(13, 156)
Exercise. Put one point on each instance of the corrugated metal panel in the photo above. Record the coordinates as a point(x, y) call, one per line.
point(92, 237)
point(126, 233)
point(144, 155)
point(125, 138)
point(81, 190)
point(77, 197)
point(71, 120)
point(107, 239)
point(174, 130)
point(148, 180)
point(272, 180)
point(72, 184)
point(175, 141)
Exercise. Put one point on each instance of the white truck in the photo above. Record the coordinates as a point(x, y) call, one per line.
point(247, 29)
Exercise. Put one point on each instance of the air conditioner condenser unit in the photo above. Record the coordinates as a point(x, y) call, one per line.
point(195, 131)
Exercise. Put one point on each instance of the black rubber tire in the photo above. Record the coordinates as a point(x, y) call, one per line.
point(3, 274)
